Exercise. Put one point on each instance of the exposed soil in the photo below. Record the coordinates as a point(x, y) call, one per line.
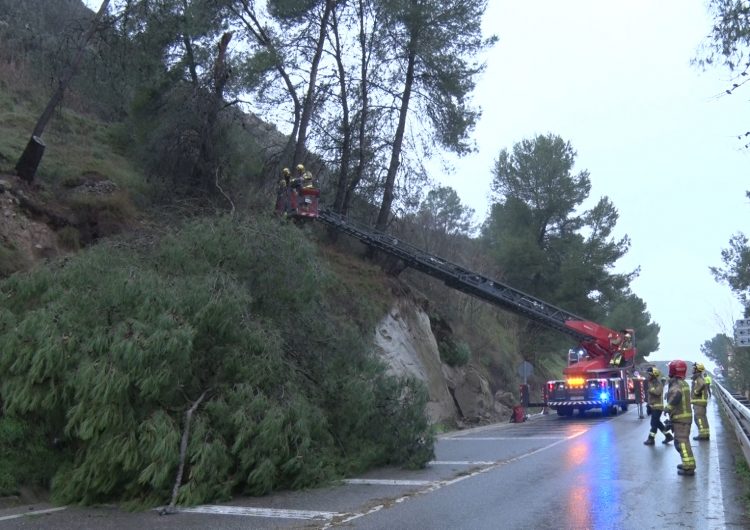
point(25, 229)
point(38, 223)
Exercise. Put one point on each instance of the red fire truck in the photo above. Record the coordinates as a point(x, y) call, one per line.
point(599, 374)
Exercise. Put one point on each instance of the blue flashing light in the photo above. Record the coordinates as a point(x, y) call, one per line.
point(604, 396)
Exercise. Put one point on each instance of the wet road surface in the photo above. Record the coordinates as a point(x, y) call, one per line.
point(550, 472)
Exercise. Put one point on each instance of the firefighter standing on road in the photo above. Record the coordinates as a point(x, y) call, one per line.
point(699, 398)
point(655, 407)
point(707, 379)
point(678, 407)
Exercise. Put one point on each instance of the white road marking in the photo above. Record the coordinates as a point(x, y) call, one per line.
point(500, 438)
point(443, 483)
point(31, 513)
point(258, 512)
point(429, 486)
point(387, 482)
point(460, 463)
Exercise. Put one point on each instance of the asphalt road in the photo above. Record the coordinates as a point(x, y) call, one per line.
point(549, 472)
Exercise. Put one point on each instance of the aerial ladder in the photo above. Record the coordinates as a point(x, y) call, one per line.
point(599, 371)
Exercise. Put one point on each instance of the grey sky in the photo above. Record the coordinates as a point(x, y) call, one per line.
point(658, 136)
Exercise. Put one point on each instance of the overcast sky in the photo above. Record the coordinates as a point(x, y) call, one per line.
point(658, 136)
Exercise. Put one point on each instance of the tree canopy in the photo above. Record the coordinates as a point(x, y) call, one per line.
point(718, 349)
point(545, 244)
point(736, 270)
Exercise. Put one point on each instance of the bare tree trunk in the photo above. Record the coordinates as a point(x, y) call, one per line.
point(183, 453)
point(390, 179)
point(309, 101)
point(364, 114)
point(346, 126)
point(207, 164)
point(249, 18)
point(32, 154)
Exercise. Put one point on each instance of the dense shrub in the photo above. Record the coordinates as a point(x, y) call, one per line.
point(108, 350)
point(26, 454)
point(454, 353)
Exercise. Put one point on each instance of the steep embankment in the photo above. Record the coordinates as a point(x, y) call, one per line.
point(36, 226)
point(40, 223)
point(404, 339)
point(23, 238)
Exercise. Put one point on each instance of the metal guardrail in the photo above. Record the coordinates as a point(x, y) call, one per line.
point(738, 413)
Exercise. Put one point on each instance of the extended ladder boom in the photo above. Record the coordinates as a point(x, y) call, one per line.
point(461, 279)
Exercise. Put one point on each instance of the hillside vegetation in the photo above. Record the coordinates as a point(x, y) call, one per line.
point(231, 317)
point(159, 326)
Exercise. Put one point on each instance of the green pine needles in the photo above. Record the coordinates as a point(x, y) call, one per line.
point(102, 356)
point(454, 353)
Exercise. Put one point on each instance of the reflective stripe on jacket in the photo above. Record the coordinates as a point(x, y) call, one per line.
point(678, 401)
point(699, 394)
point(655, 394)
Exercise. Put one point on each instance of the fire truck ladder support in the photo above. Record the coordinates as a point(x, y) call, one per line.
point(457, 277)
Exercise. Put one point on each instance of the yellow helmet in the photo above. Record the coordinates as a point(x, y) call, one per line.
point(285, 171)
point(300, 167)
point(698, 367)
point(654, 371)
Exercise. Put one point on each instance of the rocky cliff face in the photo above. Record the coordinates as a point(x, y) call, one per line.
point(458, 396)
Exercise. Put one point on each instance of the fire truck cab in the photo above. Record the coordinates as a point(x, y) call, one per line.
point(597, 375)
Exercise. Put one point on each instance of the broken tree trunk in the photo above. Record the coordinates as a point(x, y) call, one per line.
point(183, 455)
point(32, 154)
point(30, 159)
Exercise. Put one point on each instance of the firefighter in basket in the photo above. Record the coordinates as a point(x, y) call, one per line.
point(655, 407)
point(283, 190)
point(303, 178)
point(621, 342)
point(699, 398)
point(680, 414)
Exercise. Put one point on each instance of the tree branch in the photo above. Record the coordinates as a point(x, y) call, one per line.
point(183, 455)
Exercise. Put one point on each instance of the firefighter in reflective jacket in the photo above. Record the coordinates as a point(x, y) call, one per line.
point(304, 177)
point(655, 407)
point(707, 379)
point(621, 341)
point(282, 192)
point(678, 406)
point(699, 398)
